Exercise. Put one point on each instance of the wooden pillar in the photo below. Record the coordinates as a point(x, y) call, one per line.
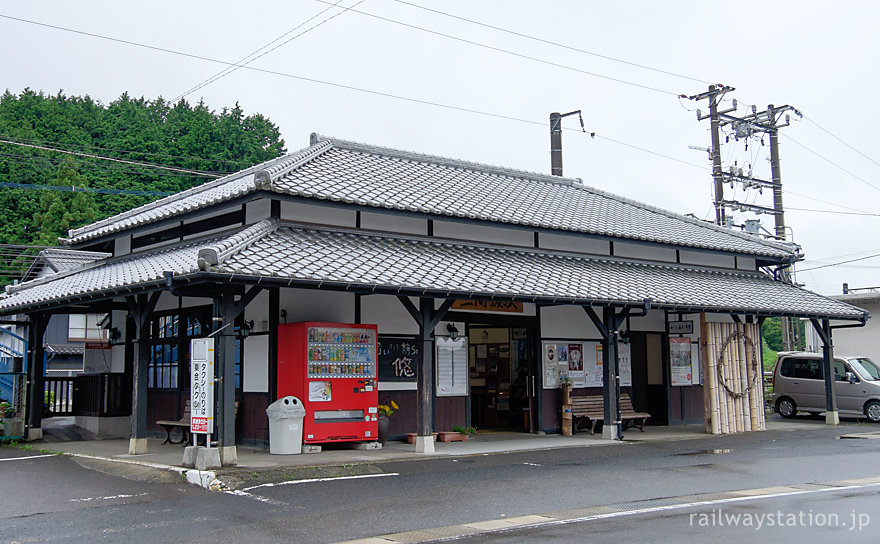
point(35, 374)
point(824, 331)
point(141, 309)
point(427, 318)
point(224, 371)
point(274, 318)
point(611, 430)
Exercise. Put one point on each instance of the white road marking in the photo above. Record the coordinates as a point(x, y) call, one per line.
point(314, 480)
point(108, 498)
point(29, 457)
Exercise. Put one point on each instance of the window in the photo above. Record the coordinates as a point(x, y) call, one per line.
point(171, 333)
point(86, 328)
point(810, 369)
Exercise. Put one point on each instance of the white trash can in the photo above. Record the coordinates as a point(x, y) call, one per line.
point(286, 425)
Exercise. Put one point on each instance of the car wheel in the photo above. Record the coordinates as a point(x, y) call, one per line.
point(872, 410)
point(787, 408)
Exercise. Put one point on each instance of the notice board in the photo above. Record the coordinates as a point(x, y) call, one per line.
point(399, 358)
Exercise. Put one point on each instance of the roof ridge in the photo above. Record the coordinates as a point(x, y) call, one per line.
point(444, 161)
point(213, 255)
point(208, 185)
point(537, 176)
point(266, 176)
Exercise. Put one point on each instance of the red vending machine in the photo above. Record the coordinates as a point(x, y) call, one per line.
point(331, 368)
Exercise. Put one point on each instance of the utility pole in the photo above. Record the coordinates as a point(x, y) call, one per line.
point(746, 127)
point(556, 139)
point(714, 94)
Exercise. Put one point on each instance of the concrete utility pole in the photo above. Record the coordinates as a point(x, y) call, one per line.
point(714, 94)
point(746, 127)
point(556, 139)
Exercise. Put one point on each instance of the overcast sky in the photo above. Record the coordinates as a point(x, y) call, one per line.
point(814, 56)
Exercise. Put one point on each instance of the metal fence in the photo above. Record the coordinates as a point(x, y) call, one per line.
point(12, 403)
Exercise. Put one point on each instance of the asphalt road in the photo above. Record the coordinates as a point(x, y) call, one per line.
point(62, 499)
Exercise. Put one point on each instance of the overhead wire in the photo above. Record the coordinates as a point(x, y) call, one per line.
point(834, 164)
point(507, 51)
point(112, 159)
point(108, 149)
point(839, 139)
point(247, 59)
point(372, 91)
point(555, 44)
point(840, 263)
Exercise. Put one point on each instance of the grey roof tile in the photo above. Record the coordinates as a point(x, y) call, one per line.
point(348, 172)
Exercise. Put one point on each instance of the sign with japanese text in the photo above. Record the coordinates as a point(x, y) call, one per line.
point(488, 306)
point(202, 385)
point(399, 358)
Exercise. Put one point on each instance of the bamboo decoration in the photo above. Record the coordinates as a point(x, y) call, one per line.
point(734, 386)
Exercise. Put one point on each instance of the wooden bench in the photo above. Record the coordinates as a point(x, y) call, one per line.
point(183, 424)
point(592, 407)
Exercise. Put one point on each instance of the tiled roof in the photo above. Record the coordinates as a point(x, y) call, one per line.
point(54, 259)
point(353, 173)
point(281, 254)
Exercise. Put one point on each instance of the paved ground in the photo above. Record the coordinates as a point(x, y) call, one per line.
point(501, 488)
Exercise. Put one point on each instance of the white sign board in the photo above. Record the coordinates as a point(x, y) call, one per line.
point(451, 359)
point(202, 385)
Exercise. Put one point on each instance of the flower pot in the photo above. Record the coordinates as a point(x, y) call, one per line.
point(452, 436)
point(384, 425)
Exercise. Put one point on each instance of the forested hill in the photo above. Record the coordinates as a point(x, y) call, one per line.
point(182, 136)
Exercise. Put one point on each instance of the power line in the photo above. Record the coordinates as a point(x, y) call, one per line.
point(247, 59)
point(123, 161)
point(834, 164)
point(74, 189)
point(99, 148)
point(864, 214)
point(828, 132)
point(507, 51)
point(840, 263)
point(48, 163)
point(556, 44)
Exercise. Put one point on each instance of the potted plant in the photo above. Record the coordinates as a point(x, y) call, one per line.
point(385, 411)
point(8, 422)
point(457, 434)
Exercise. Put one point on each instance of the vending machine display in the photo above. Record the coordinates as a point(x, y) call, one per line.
point(331, 368)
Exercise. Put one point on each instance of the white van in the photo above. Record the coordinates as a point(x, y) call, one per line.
point(799, 385)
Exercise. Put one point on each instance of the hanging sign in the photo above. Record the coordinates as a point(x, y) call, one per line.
point(451, 358)
point(488, 306)
point(202, 385)
point(681, 327)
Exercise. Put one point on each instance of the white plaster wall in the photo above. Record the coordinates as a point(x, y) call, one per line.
point(117, 353)
point(258, 312)
point(387, 312)
point(578, 244)
point(257, 210)
point(317, 305)
point(746, 263)
point(480, 233)
point(256, 364)
point(655, 321)
point(646, 252)
point(320, 215)
point(122, 245)
point(719, 318)
point(861, 340)
point(707, 259)
point(394, 223)
point(567, 322)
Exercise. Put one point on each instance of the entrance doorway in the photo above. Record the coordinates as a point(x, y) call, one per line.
point(649, 390)
point(501, 362)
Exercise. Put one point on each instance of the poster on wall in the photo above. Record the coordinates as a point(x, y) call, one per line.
point(554, 369)
point(576, 365)
point(680, 361)
point(594, 364)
